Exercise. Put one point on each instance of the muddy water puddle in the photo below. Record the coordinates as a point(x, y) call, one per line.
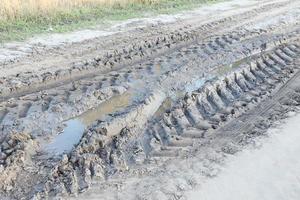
point(112, 105)
point(74, 128)
point(66, 140)
point(220, 71)
point(167, 104)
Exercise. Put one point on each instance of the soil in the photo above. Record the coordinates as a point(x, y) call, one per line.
point(268, 169)
point(147, 109)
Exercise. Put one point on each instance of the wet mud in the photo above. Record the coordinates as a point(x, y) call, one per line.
point(135, 108)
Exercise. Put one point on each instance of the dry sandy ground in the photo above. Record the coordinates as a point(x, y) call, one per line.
point(269, 171)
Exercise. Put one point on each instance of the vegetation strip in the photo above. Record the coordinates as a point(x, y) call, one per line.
point(20, 19)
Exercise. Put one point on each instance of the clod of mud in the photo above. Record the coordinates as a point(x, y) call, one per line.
point(97, 154)
point(15, 150)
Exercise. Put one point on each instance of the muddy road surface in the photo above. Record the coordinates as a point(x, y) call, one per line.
point(149, 109)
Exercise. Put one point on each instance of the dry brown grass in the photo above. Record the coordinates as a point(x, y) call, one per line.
point(20, 19)
point(14, 9)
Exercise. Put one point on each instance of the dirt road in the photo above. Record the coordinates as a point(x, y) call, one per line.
point(268, 170)
point(146, 109)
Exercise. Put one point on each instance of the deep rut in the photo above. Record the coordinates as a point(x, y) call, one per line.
point(215, 104)
point(120, 57)
point(175, 132)
point(78, 97)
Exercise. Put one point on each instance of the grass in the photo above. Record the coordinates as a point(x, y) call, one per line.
point(20, 19)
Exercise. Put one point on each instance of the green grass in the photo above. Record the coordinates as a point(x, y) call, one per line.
point(22, 28)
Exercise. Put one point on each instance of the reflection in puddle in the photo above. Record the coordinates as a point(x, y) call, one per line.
point(167, 104)
point(66, 140)
point(112, 105)
point(74, 129)
point(195, 85)
point(157, 69)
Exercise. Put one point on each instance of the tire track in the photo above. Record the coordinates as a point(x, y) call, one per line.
point(248, 67)
point(208, 109)
point(118, 59)
point(59, 100)
point(192, 119)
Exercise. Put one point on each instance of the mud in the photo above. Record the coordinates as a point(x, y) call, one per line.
point(165, 102)
point(182, 172)
point(75, 127)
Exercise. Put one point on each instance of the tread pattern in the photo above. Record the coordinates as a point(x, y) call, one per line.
point(131, 54)
point(181, 126)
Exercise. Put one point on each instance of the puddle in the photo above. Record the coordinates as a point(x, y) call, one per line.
point(228, 68)
point(74, 128)
point(157, 70)
point(195, 85)
point(66, 140)
point(167, 104)
point(112, 105)
point(220, 71)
